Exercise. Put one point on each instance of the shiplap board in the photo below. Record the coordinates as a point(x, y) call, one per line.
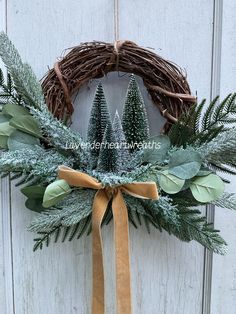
point(6, 270)
point(224, 267)
point(2, 286)
point(176, 279)
point(2, 282)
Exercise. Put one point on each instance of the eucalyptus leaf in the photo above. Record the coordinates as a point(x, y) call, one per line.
point(26, 124)
point(185, 164)
point(203, 173)
point(35, 195)
point(170, 183)
point(3, 141)
point(186, 185)
point(3, 118)
point(208, 188)
point(14, 110)
point(6, 129)
point(19, 140)
point(34, 191)
point(34, 205)
point(55, 192)
point(156, 148)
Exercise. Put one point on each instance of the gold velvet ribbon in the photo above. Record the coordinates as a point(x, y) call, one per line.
point(144, 190)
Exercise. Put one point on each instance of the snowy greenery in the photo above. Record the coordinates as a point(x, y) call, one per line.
point(37, 163)
point(59, 135)
point(23, 77)
point(184, 164)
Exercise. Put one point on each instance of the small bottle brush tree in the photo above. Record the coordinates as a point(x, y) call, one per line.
point(99, 118)
point(134, 120)
point(122, 149)
point(108, 157)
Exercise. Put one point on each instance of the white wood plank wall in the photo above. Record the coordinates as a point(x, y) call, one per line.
point(168, 277)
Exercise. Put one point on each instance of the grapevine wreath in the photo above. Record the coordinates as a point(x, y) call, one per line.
point(119, 172)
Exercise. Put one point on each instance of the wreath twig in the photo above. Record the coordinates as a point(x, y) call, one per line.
point(165, 81)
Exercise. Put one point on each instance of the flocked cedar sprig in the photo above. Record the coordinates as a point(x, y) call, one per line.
point(60, 136)
point(35, 164)
point(23, 77)
point(67, 213)
point(195, 227)
point(220, 153)
point(228, 200)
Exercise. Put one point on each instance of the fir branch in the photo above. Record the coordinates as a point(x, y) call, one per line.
point(7, 91)
point(38, 163)
point(45, 237)
point(227, 200)
point(154, 212)
point(207, 125)
point(163, 209)
point(144, 173)
point(220, 153)
point(25, 81)
point(208, 115)
point(193, 226)
point(59, 135)
point(183, 130)
point(196, 115)
point(70, 211)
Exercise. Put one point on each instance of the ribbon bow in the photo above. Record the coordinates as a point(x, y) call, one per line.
point(144, 190)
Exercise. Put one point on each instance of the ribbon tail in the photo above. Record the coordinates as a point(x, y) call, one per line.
point(99, 209)
point(121, 235)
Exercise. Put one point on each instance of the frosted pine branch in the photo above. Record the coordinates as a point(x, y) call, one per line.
point(26, 82)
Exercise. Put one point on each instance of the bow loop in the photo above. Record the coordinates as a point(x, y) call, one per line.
point(78, 179)
point(145, 190)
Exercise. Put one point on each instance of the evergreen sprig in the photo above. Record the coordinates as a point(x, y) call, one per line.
point(227, 200)
point(69, 212)
point(63, 233)
point(220, 153)
point(25, 81)
point(193, 226)
point(203, 125)
point(60, 136)
point(7, 91)
point(37, 164)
